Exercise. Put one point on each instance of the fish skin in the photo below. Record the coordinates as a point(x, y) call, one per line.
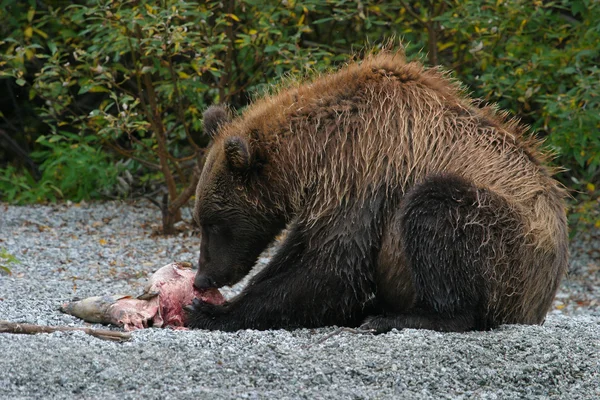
point(93, 309)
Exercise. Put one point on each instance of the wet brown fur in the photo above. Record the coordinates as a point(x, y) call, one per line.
point(364, 138)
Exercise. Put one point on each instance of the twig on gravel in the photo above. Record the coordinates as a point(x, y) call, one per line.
point(32, 329)
point(339, 331)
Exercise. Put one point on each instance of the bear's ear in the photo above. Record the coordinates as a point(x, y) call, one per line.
point(214, 117)
point(237, 151)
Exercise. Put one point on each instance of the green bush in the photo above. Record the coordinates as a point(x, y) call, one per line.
point(133, 79)
point(540, 60)
point(72, 168)
point(100, 80)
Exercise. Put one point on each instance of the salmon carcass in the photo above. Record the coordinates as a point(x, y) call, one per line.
point(166, 293)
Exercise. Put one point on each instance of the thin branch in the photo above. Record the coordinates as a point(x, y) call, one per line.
point(31, 329)
point(35, 171)
point(157, 126)
point(137, 74)
point(178, 171)
point(138, 141)
point(179, 106)
point(440, 9)
point(186, 194)
point(187, 158)
point(225, 78)
point(129, 154)
point(413, 13)
point(334, 49)
point(151, 200)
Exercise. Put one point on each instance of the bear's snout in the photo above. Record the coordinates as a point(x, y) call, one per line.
point(203, 282)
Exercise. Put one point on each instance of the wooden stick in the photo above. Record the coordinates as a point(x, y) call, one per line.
point(32, 329)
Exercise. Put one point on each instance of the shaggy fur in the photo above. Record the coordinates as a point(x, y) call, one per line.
point(409, 206)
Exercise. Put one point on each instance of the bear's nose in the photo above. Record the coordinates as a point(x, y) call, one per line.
point(203, 282)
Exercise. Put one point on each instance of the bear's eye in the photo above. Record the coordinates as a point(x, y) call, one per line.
point(211, 228)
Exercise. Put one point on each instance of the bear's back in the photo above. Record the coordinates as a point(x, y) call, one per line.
point(389, 122)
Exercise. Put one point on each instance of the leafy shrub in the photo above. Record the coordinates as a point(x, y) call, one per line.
point(72, 168)
point(540, 60)
point(132, 78)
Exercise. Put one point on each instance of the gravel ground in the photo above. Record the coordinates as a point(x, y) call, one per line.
point(107, 248)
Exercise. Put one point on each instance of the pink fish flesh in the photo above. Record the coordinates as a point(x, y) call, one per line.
point(161, 305)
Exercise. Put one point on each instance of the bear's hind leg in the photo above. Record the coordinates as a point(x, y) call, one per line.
point(453, 236)
point(421, 319)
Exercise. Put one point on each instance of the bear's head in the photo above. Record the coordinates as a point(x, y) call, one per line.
point(233, 206)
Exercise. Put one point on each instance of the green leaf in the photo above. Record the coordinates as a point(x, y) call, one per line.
point(55, 138)
point(30, 14)
point(99, 89)
point(85, 88)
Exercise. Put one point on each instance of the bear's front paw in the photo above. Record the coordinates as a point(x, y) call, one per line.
point(203, 315)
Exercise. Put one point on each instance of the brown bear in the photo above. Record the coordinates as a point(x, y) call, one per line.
point(408, 206)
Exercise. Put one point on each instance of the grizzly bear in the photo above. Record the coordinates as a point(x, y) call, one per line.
point(408, 205)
